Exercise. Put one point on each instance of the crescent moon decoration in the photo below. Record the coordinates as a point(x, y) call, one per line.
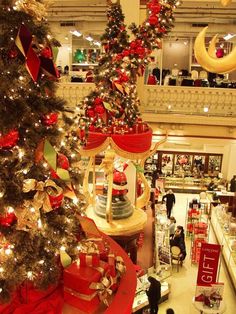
point(212, 47)
point(225, 2)
point(223, 65)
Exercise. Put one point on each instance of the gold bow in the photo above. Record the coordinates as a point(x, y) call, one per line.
point(44, 189)
point(89, 247)
point(120, 265)
point(103, 288)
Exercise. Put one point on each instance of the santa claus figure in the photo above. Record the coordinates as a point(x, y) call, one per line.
point(119, 187)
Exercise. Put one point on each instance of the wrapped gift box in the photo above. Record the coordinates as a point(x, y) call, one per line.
point(79, 278)
point(91, 260)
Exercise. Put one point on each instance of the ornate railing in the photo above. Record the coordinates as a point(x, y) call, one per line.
point(221, 102)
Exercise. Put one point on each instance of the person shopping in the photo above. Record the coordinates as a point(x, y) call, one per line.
point(169, 198)
point(154, 294)
point(179, 241)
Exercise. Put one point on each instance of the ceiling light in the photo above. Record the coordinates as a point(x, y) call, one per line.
point(205, 109)
point(229, 36)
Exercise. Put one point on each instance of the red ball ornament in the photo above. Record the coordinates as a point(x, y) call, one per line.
point(153, 20)
point(90, 113)
point(50, 119)
point(126, 53)
point(98, 101)
point(8, 220)
point(155, 8)
point(13, 53)
point(9, 140)
point(133, 45)
point(63, 162)
point(99, 109)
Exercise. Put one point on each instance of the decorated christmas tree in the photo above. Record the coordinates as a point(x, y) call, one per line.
point(113, 108)
point(38, 184)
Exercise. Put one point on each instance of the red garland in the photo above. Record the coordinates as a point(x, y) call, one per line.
point(9, 140)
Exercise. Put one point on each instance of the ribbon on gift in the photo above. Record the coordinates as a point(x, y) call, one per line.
point(103, 288)
point(89, 247)
point(42, 197)
point(91, 260)
point(120, 265)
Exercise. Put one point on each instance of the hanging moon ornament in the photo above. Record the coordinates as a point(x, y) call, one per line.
point(222, 65)
point(225, 2)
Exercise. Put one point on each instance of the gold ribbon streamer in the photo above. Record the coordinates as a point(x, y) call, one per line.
point(89, 247)
point(41, 198)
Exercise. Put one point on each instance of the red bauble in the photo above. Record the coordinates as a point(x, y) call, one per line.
point(126, 53)
point(63, 162)
point(153, 20)
point(13, 53)
point(98, 101)
point(90, 113)
point(9, 140)
point(155, 8)
point(8, 220)
point(50, 119)
point(99, 109)
point(133, 45)
point(140, 51)
point(124, 78)
point(46, 52)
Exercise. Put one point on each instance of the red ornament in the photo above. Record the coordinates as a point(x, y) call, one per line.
point(9, 140)
point(50, 119)
point(12, 53)
point(8, 220)
point(46, 52)
point(153, 20)
point(98, 101)
point(99, 109)
point(126, 53)
point(90, 112)
point(133, 44)
point(220, 53)
point(63, 161)
point(155, 8)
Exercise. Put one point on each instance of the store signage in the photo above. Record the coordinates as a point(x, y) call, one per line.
point(208, 264)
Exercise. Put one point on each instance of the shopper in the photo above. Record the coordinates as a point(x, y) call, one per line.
point(233, 184)
point(170, 311)
point(169, 198)
point(179, 240)
point(154, 294)
point(172, 226)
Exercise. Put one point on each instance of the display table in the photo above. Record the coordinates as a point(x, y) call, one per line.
point(141, 300)
point(207, 310)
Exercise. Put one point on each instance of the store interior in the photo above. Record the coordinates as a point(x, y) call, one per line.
point(99, 130)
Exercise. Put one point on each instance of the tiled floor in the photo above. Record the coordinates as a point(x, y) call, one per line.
point(183, 283)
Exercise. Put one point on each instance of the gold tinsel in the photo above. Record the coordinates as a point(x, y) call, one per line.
point(33, 8)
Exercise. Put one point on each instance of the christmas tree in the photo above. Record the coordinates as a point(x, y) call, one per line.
point(113, 108)
point(38, 184)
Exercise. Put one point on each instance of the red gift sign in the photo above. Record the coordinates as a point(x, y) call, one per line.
point(208, 263)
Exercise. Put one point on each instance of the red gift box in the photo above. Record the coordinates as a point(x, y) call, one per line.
point(91, 260)
point(86, 303)
point(78, 278)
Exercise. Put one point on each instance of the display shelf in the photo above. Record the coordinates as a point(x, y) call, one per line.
point(225, 240)
point(185, 184)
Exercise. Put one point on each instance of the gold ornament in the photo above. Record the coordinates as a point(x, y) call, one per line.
point(225, 2)
point(223, 65)
point(27, 217)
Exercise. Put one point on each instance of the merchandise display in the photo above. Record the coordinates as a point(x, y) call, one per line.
point(220, 222)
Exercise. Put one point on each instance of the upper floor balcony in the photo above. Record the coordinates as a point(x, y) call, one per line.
point(177, 104)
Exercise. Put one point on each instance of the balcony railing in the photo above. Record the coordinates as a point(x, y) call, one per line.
point(213, 102)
